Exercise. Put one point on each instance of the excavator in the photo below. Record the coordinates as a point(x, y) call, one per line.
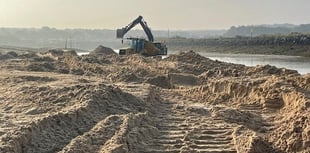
point(140, 45)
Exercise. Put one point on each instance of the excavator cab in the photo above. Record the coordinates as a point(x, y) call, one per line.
point(141, 46)
point(137, 44)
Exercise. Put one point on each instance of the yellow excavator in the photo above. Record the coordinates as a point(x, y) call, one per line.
point(139, 45)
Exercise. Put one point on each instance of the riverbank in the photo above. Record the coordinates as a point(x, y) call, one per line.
point(293, 45)
point(294, 50)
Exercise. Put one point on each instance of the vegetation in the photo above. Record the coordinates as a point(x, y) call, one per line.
point(257, 30)
point(291, 44)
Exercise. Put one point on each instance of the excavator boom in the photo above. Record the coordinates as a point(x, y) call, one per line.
point(121, 32)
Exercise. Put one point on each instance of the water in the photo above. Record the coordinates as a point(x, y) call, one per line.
point(301, 64)
point(82, 53)
point(87, 52)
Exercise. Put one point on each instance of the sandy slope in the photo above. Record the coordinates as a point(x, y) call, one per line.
point(60, 102)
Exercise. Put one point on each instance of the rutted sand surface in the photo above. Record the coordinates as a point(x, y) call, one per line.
point(60, 102)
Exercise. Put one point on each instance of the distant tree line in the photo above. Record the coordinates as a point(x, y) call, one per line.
point(258, 30)
point(292, 44)
point(290, 39)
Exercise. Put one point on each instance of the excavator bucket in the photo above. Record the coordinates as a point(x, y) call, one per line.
point(120, 33)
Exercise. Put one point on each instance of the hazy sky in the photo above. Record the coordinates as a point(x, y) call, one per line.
point(160, 14)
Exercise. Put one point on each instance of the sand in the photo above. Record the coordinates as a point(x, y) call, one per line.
point(102, 50)
point(57, 101)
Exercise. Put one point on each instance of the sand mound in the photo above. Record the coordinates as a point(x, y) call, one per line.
point(247, 119)
point(187, 57)
point(8, 55)
point(248, 141)
point(193, 63)
point(79, 108)
point(160, 81)
point(179, 79)
point(54, 54)
point(268, 69)
point(102, 50)
point(30, 55)
point(123, 76)
point(13, 54)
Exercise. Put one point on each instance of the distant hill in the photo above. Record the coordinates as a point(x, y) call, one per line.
point(257, 30)
point(56, 38)
point(85, 38)
point(89, 39)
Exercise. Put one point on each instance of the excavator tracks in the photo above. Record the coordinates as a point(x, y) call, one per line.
point(181, 130)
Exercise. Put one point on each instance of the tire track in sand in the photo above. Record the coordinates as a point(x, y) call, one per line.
point(185, 128)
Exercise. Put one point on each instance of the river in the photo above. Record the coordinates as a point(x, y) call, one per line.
point(301, 64)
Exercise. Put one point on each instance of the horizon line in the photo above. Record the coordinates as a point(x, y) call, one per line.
point(84, 28)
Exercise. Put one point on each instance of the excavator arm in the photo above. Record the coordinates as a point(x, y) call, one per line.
point(121, 32)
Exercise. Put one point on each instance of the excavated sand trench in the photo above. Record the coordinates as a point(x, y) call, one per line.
point(60, 102)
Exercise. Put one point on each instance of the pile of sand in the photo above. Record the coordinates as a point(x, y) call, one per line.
point(8, 55)
point(102, 50)
point(59, 114)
